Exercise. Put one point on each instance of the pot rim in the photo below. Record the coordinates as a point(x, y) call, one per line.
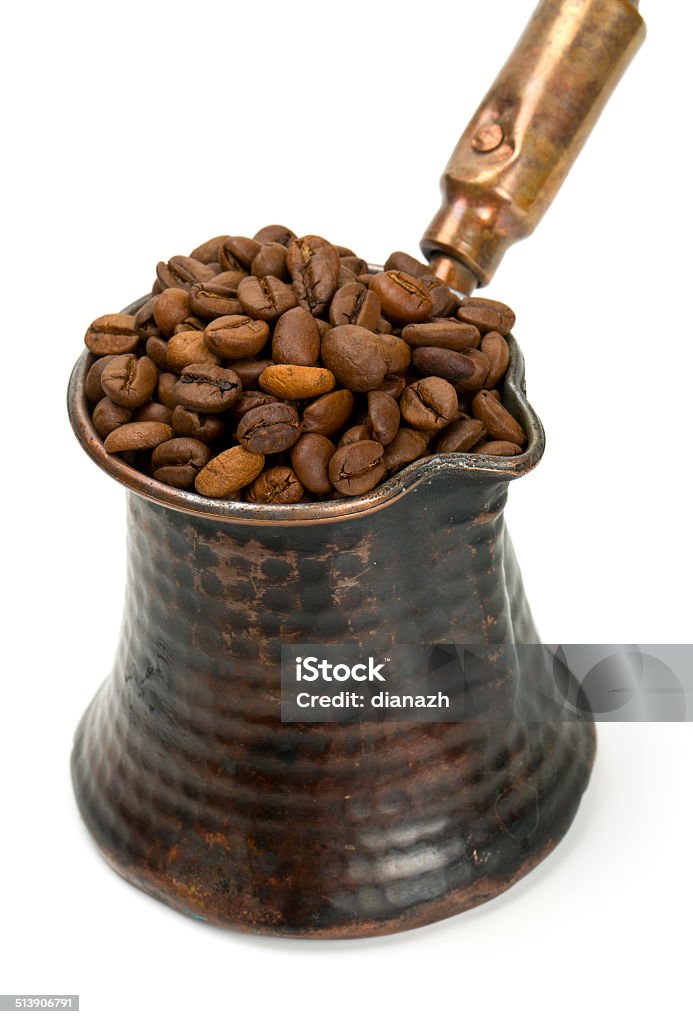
point(478, 468)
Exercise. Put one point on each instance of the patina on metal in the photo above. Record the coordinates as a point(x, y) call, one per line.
point(525, 136)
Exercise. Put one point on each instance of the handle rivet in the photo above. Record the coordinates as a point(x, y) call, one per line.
point(488, 138)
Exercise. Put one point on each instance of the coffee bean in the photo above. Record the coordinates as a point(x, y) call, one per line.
point(189, 347)
point(402, 261)
point(481, 365)
point(269, 428)
point(265, 298)
point(276, 486)
point(393, 385)
point(395, 352)
point(498, 448)
point(187, 423)
point(137, 437)
point(250, 371)
point(450, 334)
point(270, 261)
point(178, 461)
point(145, 323)
point(357, 468)
point(112, 335)
point(487, 315)
point(495, 348)
point(231, 470)
point(211, 299)
point(252, 400)
point(107, 416)
point(444, 301)
point(460, 436)
point(164, 390)
point(129, 381)
point(408, 446)
point(443, 362)
point(170, 308)
point(355, 304)
point(181, 272)
point(238, 252)
point(501, 425)
point(205, 388)
point(287, 381)
point(92, 385)
point(429, 404)
point(157, 350)
point(353, 263)
point(404, 299)
point(383, 417)
point(310, 458)
point(354, 357)
point(360, 432)
point(208, 251)
point(154, 412)
point(328, 414)
point(296, 338)
point(274, 233)
point(236, 337)
point(191, 323)
point(384, 326)
point(314, 267)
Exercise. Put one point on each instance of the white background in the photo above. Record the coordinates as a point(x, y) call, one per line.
point(135, 131)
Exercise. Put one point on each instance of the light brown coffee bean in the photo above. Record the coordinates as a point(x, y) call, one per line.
point(236, 337)
point(296, 338)
point(178, 461)
point(328, 414)
point(270, 261)
point(460, 436)
point(170, 308)
point(112, 335)
point(268, 429)
point(182, 272)
point(355, 304)
point(137, 437)
point(404, 299)
point(191, 323)
point(353, 263)
point(157, 350)
point(265, 298)
point(274, 233)
point(359, 432)
point(429, 404)
point(353, 354)
point(238, 252)
point(310, 458)
point(145, 323)
point(208, 251)
point(164, 390)
point(394, 385)
point(357, 468)
point(129, 381)
point(443, 362)
point(211, 300)
point(288, 381)
point(486, 314)
point(187, 423)
point(450, 334)
point(408, 446)
point(92, 384)
point(444, 301)
point(498, 448)
point(276, 486)
point(346, 276)
point(495, 348)
point(383, 417)
point(403, 261)
point(107, 416)
point(231, 470)
point(250, 371)
point(153, 412)
point(314, 267)
point(189, 347)
point(205, 388)
point(501, 425)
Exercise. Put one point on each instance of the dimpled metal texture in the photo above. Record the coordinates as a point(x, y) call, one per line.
point(196, 791)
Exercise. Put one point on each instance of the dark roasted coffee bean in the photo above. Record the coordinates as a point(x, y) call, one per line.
point(270, 261)
point(157, 350)
point(383, 417)
point(189, 347)
point(287, 381)
point(481, 367)
point(310, 458)
point(187, 423)
point(354, 356)
point(357, 468)
point(164, 390)
point(450, 334)
point(137, 437)
point(112, 335)
point(107, 416)
point(250, 371)
point(129, 381)
point(498, 448)
point(276, 486)
point(402, 261)
point(407, 446)
point(238, 252)
point(252, 400)
point(236, 337)
point(495, 348)
point(501, 425)
point(178, 461)
point(395, 352)
point(208, 251)
point(269, 428)
point(145, 323)
point(404, 299)
point(171, 307)
point(353, 263)
point(93, 388)
point(393, 385)
point(460, 436)
point(314, 267)
point(211, 300)
point(429, 404)
point(205, 388)
point(487, 315)
point(265, 298)
point(442, 362)
point(274, 233)
point(154, 412)
point(355, 304)
point(444, 301)
point(229, 471)
point(328, 414)
point(181, 272)
point(359, 432)
point(296, 338)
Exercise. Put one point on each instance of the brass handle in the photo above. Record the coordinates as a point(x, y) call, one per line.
point(514, 155)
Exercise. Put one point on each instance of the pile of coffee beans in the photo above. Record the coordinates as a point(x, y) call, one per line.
point(281, 369)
